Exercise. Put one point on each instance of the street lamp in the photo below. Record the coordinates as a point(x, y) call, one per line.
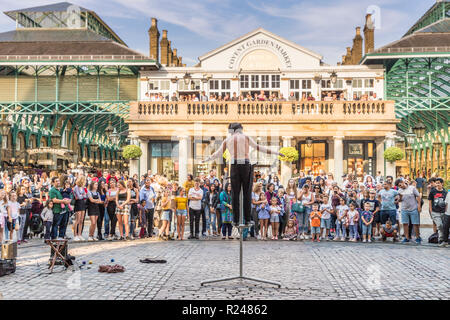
point(333, 77)
point(410, 137)
point(309, 142)
point(94, 147)
point(109, 129)
point(115, 137)
point(56, 139)
point(419, 130)
point(187, 78)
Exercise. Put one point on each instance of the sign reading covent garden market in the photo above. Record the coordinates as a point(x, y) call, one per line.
point(260, 43)
point(59, 152)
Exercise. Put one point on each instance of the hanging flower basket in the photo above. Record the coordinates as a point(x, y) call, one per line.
point(290, 154)
point(393, 154)
point(131, 152)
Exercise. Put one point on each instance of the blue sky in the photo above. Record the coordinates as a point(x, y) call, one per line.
point(196, 27)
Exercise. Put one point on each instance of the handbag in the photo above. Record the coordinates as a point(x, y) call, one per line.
point(298, 207)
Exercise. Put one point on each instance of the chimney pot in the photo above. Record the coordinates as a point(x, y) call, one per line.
point(164, 34)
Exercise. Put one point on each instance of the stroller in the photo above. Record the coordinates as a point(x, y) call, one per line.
point(36, 223)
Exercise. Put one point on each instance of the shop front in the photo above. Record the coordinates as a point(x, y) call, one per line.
point(360, 158)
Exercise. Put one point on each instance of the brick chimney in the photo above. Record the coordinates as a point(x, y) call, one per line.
point(164, 43)
point(348, 56)
point(369, 38)
point(174, 57)
point(343, 59)
point(180, 60)
point(170, 54)
point(154, 40)
point(357, 46)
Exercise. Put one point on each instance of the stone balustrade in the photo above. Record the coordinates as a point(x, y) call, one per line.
point(264, 111)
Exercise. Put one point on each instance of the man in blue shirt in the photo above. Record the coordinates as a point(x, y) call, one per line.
point(388, 199)
point(148, 194)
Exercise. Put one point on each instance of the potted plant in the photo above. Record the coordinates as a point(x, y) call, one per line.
point(290, 154)
point(131, 152)
point(393, 154)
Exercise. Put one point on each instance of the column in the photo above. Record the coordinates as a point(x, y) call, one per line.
point(144, 158)
point(380, 158)
point(330, 161)
point(286, 167)
point(338, 159)
point(134, 167)
point(182, 159)
point(390, 166)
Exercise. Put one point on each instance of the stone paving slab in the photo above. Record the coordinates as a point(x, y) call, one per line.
point(326, 270)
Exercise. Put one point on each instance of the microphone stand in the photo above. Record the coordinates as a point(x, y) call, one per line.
point(241, 276)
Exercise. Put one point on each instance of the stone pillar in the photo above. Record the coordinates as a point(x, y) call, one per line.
point(182, 159)
point(338, 159)
point(144, 158)
point(330, 167)
point(390, 166)
point(380, 158)
point(134, 167)
point(286, 167)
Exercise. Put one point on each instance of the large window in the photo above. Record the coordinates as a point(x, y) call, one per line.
point(312, 158)
point(265, 83)
point(275, 81)
point(219, 87)
point(244, 82)
point(255, 81)
point(299, 87)
point(363, 86)
point(164, 158)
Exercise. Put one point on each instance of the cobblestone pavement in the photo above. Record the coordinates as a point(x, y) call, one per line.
point(326, 270)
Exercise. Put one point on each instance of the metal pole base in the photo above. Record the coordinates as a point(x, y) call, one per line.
point(241, 278)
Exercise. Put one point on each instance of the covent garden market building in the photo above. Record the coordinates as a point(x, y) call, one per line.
point(73, 94)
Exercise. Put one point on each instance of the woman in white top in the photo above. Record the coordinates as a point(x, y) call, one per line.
point(307, 199)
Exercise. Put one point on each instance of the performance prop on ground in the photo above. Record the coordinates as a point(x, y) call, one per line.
point(241, 276)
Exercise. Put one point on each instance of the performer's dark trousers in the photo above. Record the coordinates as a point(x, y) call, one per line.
point(242, 177)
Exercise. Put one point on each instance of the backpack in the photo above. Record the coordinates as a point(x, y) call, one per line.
point(434, 238)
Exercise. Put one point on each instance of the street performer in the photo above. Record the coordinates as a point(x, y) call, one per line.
point(238, 145)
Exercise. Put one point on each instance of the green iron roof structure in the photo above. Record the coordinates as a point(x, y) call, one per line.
point(50, 70)
point(62, 15)
point(417, 71)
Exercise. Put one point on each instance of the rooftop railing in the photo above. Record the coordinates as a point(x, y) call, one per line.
point(414, 49)
point(266, 111)
point(71, 57)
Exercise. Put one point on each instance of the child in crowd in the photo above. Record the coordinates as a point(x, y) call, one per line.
point(375, 209)
point(353, 217)
point(315, 218)
point(263, 216)
point(341, 220)
point(275, 211)
point(13, 213)
point(326, 210)
point(389, 231)
point(182, 212)
point(4, 213)
point(367, 219)
point(142, 219)
point(47, 217)
point(290, 232)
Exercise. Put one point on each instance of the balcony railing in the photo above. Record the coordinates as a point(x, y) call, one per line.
point(262, 111)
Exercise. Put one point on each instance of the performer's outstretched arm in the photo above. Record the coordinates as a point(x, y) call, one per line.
point(264, 149)
point(218, 153)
